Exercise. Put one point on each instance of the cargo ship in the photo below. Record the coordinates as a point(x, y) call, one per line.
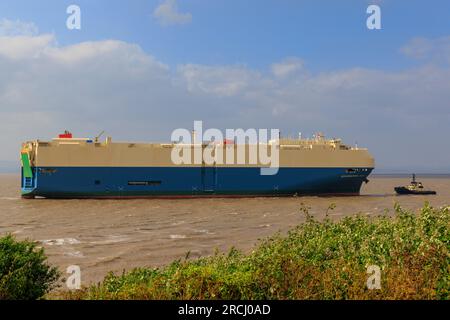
point(67, 167)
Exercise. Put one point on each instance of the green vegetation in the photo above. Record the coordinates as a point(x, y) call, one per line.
point(24, 274)
point(316, 260)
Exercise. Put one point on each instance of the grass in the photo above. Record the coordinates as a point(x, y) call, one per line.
point(315, 260)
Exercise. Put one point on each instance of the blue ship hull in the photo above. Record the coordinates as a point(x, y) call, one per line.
point(135, 182)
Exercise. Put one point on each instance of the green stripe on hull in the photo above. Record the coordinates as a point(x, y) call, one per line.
point(27, 173)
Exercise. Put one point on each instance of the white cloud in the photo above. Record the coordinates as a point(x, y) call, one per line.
point(17, 28)
point(116, 86)
point(218, 80)
point(437, 50)
point(287, 67)
point(167, 14)
point(21, 47)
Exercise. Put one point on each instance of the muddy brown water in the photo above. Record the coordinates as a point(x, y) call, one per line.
point(113, 235)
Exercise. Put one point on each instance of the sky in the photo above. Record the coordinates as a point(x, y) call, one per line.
point(139, 69)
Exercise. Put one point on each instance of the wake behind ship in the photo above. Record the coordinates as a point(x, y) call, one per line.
point(68, 167)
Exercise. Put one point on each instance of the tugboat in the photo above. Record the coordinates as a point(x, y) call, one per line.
point(415, 187)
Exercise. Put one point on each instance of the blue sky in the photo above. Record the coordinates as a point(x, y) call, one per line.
point(139, 69)
point(327, 34)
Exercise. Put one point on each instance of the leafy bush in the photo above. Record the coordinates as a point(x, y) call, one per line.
point(315, 260)
point(24, 274)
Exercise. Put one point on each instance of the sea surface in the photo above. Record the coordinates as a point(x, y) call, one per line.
point(116, 235)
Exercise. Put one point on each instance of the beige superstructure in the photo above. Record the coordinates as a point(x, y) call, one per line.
point(307, 153)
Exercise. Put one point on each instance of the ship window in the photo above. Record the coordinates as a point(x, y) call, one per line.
point(144, 183)
point(351, 170)
point(97, 182)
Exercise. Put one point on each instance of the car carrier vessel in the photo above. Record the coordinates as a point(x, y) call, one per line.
point(68, 167)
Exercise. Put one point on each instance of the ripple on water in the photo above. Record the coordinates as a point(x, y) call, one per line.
point(60, 242)
point(204, 231)
point(177, 236)
point(111, 239)
point(75, 254)
point(21, 230)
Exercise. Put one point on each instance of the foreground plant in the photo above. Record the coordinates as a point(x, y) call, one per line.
point(24, 273)
point(315, 260)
